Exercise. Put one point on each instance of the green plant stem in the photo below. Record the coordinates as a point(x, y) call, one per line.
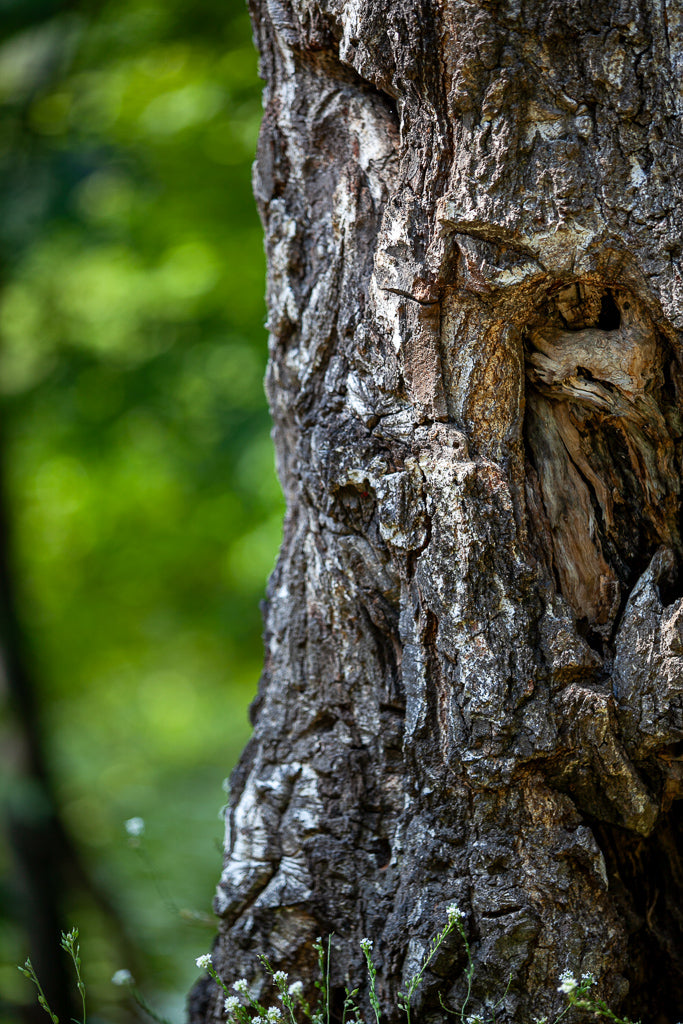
point(469, 971)
point(372, 972)
point(405, 998)
point(598, 1007)
point(70, 944)
point(145, 1006)
point(29, 972)
point(327, 981)
point(501, 1000)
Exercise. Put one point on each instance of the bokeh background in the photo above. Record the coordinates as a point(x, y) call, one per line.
point(139, 509)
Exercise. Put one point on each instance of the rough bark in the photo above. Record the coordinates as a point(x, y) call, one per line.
point(473, 688)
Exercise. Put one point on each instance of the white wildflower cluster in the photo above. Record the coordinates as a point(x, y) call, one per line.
point(273, 1015)
point(135, 827)
point(123, 978)
point(587, 980)
point(476, 1018)
point(280, 977)
point(296, 991)
point(232, 1004)
point(454, 913)
point(366, 945)
point(568, 983)
point(241, 986)
point(203, 961)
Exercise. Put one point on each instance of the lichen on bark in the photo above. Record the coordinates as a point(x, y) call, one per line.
point(473, 688)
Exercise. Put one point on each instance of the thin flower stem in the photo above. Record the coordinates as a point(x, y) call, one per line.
point(327, 979)
point(454, 921)
point(366, 946)
point(69, 942)
point(145, 1006)
point(469, 971)
point(29, 972)
point(213, 973)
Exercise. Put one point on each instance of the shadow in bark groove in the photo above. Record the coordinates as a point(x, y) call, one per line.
point(646, 879)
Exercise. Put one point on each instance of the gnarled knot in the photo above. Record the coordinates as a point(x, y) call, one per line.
point(589, 362)
point(602, 429)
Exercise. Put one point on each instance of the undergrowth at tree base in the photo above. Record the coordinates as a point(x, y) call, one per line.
point(241, 1007)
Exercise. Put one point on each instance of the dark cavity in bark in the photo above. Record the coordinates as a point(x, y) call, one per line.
point(646, 878)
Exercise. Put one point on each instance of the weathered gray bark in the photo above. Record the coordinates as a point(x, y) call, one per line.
point(473, 688)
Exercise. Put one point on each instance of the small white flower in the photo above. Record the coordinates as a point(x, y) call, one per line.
point(280, 977)
point(241, 986)
point(568, 983)
point(203, 961)
point(135, 827)
point(231, 1004)
point(366, 945)
point(273, 1015)
point(454, 913)
point(296, 990)
point(587, 979)
point(123, 977)
point(476, 1018)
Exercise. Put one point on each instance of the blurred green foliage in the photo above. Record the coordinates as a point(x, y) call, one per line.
point(139, 467)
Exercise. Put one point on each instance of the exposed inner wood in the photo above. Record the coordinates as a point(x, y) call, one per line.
point(603, 433)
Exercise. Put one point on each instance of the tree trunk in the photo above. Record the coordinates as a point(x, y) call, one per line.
point(473, 689)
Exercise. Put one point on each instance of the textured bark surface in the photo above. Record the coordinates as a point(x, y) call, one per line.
point(473, 688)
